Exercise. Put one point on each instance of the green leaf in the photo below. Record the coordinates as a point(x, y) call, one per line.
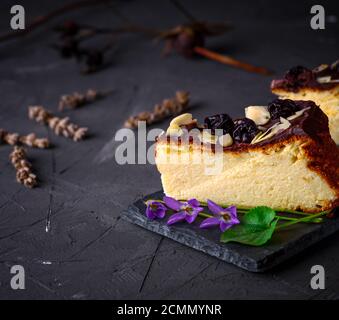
point(256, 227)
point(260, 216)
point(249, 234)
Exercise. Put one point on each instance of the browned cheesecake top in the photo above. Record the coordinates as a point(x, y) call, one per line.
point(288, 118)
point(323, 77)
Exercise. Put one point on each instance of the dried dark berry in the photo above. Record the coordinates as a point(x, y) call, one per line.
point(244, 130)
point(299, 76)
point(220, 121)
point(282, 108)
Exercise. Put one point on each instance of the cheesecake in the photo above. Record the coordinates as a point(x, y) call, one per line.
point(320, 85)
point(280, 155)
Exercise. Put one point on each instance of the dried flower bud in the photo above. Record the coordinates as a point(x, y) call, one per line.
point(168, 107)
point(23, 168)
point(77, 99)
point(60, 126)
point(29, 140)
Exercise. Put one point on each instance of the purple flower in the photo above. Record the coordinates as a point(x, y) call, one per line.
point(155, 209)
point(185, 210)
point(224, 218)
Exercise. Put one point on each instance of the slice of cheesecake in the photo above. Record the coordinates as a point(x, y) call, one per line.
point(281, 156)
point(320, 85)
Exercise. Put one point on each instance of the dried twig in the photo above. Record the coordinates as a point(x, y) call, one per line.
point(230, 61)
point(189, 40)
point(167, 108)
point(60, 126)
point(23, 167)
point(76, 99)
point(29, 140)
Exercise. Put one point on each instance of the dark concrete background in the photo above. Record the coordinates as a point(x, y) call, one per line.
point(90, 253)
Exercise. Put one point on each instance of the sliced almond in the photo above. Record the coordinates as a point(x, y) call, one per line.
point(259, 114)
point(322, 67)
point(326, 79)
point(272, 131)
point(297, 114)
point(284, 124)
point(226, 140)
point(183, 119)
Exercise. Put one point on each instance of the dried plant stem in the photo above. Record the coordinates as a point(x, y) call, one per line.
point(23, 167)
point(29, 140)
point(230, 61)
point(60, 126)
point(38, 21)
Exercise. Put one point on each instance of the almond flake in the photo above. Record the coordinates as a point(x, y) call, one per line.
point(259, 114)
point(297, 114)
point(327, 79)
point(226, 140)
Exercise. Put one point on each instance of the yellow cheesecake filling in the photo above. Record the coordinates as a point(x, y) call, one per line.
point(278, 177)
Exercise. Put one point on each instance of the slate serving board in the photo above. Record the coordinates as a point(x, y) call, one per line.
point(283, 245)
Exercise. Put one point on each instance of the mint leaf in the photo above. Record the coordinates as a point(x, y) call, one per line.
point(247, 234)
point(256, 227)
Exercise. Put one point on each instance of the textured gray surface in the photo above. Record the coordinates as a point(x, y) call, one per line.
point(90, 252)
point(283, 245)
